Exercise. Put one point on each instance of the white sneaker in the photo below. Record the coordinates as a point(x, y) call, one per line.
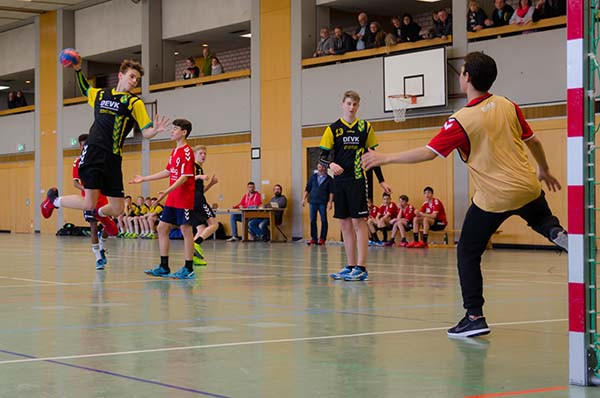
point(562, 240)
point(232, 239)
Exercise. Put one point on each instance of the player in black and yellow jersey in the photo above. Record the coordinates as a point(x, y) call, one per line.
point(115, 113)
point(203, 217)
point(349, 138)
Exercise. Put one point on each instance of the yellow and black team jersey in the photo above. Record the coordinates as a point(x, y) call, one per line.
point(199, 192)
point(142, 210)
point(133, 210)
point(114, 115)
point(156, 209)
point(349, 141)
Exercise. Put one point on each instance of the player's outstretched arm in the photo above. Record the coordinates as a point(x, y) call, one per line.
point(159, 125)
point(537, 150)
point(373, 159)
point(156, 176)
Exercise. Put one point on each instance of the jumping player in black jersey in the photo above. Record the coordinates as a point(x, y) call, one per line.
point(203, 217)
point(115, 113)
point(348, 138)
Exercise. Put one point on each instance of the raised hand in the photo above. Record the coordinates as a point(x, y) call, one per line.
point(137, 180)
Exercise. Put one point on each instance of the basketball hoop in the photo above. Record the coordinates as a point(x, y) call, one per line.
point(399, 103)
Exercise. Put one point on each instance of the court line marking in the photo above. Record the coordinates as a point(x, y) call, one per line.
point(120, 375)
point(521, 392)
point(259, 342)
point(33, 280)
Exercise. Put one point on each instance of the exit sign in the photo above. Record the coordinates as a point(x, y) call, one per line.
point(20, 147)
point(73, 141)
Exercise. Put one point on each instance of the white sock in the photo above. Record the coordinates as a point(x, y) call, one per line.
point(100, 213)
point(101, 242)
point(96, 250)
point(56, 202)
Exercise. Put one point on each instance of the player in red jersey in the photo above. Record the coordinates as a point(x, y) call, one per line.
point(404, 221)
point(431, 216)
point(179, 204)
point(98, 240)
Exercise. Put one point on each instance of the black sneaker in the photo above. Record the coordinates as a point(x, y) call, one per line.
point(468, 328)
point(88, 215)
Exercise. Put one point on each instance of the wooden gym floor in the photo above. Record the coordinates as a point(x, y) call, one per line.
point(264, 320)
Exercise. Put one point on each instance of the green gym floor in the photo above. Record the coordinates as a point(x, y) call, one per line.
point(264, 320)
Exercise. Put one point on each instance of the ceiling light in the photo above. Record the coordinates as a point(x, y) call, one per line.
point(176, 53)
point(27, 81)
point(247, 35)
point(205, 45)
point(4, 87)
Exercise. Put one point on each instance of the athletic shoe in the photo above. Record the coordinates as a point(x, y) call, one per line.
point(420, 245)
point(356, 275)
point(103, 255)
point(198, 252)
point(109, 225)
point(311, 242)
point(372, 243)
point(232, 239)
point(389, 243)
point(341, 273)
point(120, 234)
point(379, 243)
point(183, 273)
point(469, 328)
point(100, 263)
point(402, 244)
point(47, 205)
point(561, 239)
point(412, 244)
point(321, 242)
point(198, 262)
point(158, 271)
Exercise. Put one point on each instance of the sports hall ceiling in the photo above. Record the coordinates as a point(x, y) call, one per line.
point(14, 13)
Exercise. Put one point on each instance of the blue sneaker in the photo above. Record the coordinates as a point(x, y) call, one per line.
point(183, 273)
point(356, 275)
point(158, 271)
point(100, 264)
point(103, 255)
point(341, 273)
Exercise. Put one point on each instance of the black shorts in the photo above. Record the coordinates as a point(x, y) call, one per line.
point(100, 169)
point(175, 216)
point(350, 198)
point(437, 226)
point(202, 212)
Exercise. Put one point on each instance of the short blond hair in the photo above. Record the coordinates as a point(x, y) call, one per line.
point(200, 148)
point(351, 94)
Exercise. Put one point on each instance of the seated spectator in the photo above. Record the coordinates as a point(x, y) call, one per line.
point(377, 37)
point(11, 100)
point(404, 222)
point(444, 26)
point(139, 210)
point(151, 218)
point(362, 33)
point(382, 220)
point(435, 20)
point(259, 226)
point(523, 13)
point(372, 221)
point(20, 99)
point(548, 9)
point(432, 216)
point(216, 67)
point(476, 17)
point(342, 42)
point(325, 44)
point(122, 218)
point(191, 71)
point(250, 200)
point(145, 229)
point(206, 62)
point(409, 30)
point(501, 14)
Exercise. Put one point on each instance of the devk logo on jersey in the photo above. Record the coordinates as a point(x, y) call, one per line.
point(110, 105)
point(351, 140)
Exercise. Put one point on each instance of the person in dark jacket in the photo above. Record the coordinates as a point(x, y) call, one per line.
point(444, 28)
point(377, 38)
point(409, 30)
point(549, 9)
point(342, 42)
point(501, 14)
point(319, 194)
point(476, 17)
point(362, 33)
